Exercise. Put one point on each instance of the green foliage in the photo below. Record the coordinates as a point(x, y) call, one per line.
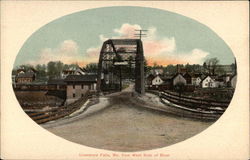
point(41, 71)
point(92, 68)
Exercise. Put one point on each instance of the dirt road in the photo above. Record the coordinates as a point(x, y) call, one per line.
point(124, 126)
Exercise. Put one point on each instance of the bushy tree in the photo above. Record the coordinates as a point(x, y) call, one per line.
point(211, 65)
point(41, 71)
point(91, 67)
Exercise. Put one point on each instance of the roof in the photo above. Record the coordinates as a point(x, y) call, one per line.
point(150, 77)
point(20, 69)
point(212, 77)
point(56, 81)
point(196, 75)
point(25, 75)
point(177, 75)
point(187, 75)
point(81, 78)
point(166, 77)
point(82, 69)
point(32, 69)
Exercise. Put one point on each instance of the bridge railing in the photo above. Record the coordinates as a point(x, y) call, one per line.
point(193, 102)
point(60, 112)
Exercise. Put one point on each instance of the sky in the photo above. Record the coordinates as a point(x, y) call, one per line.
point(78, 37)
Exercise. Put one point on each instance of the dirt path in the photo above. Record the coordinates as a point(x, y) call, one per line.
point(123, 126)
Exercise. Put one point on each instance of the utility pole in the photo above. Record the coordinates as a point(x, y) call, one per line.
point(140, 34)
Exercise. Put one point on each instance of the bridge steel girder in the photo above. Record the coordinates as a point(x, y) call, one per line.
point(139, 69)
point(139, 62)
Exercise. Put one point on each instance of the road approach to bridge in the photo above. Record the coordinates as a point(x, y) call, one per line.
point(119, 124)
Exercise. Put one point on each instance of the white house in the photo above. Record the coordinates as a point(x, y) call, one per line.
point(208, 82)
point(157, 80)
point(178, 78)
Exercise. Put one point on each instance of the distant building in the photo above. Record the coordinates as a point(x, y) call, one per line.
point(157, 80)
point(78, 85)
point(228, 69)
point(72, 71)
point(196, 80)
point(149, 78)
point(56, 84)
point(178, 78)
point(156, 71)
point(220, 80)
point(167, 84)
point(20, 71)
point(208, 82)
point(188, 78)
point(27, 77)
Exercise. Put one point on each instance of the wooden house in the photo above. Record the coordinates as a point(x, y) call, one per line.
point(178, 78)
point(208, 82)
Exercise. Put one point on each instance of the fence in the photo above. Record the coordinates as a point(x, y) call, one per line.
point(56, 113)
point(198, 104)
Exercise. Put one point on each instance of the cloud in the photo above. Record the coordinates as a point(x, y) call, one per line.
point(159, 49)
point(162, 50)
point(67, 52)
point(127, 30)
point(196, 56)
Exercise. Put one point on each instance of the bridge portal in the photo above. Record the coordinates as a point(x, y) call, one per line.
point(116, 56)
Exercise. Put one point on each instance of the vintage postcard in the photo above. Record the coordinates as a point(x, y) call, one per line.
point(124, 80)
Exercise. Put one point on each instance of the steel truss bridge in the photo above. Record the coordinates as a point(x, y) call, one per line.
point(114, 56)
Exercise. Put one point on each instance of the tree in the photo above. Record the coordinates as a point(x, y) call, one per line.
point(170, 69)
point(41, 71)
point(73, 65)
point(59, 68)
point(211, 65)
point(91, 68)
point(188, 67)
point(51, 67)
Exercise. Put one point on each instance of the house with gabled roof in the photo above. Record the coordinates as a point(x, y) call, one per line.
point(26, 77)
point(157, 80)
point(72, 71)
point(208, 82)
point(178, 78)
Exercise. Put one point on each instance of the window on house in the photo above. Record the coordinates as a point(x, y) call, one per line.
point(73, 86)
point(74, 95)
point(82, 95)
point(82, 86)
